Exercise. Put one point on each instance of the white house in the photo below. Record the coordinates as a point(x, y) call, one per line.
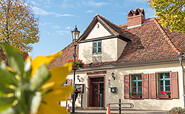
point(139, 57)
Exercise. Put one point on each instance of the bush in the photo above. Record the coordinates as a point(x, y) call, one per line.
point(177, 110)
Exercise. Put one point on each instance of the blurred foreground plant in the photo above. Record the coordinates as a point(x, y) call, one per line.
point(29, 87)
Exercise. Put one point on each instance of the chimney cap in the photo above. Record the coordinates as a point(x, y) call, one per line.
point(140, 11)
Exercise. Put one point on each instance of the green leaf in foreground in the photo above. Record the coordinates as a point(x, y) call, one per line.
point(15, 59)
point(41, 76)
point(6, 102)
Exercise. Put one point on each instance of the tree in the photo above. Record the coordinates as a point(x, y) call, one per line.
point(171, 13)
point(18, 26)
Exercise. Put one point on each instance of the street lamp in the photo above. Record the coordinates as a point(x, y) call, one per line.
point(75, 36)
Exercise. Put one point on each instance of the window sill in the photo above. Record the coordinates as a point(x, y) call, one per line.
point(163, 96)
point(136, 96)
point(97, 54)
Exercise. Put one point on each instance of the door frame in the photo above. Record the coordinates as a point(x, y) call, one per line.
point(89, 101)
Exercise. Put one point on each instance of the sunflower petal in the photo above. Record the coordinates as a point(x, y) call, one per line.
point(40, 60)
point(60, 93)
point(59, 74)
point(51, 108)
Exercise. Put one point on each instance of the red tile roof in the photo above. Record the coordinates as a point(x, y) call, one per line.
point(65, 57)
point(150, 42)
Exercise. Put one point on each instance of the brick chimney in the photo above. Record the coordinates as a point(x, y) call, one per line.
point(135, 18)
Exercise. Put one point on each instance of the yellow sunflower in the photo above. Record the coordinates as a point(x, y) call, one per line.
point(28, 87)
point(49, 103)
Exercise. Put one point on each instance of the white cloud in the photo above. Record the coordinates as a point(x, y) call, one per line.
point(94, 4)
point(56, 27)
point(89, 11)
point(62, 32)
point(40, 11)
point(64, 15)
point(72, 3)
point(68, 27)
point(43, 24)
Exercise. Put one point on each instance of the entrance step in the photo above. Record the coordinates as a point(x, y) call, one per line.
point(90, 108)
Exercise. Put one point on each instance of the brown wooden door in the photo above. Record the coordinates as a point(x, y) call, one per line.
point(95, 96)
point(98, 93)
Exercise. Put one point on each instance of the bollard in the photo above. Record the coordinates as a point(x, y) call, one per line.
point(119, 106)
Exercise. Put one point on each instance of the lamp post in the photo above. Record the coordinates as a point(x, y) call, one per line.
point(75, 36)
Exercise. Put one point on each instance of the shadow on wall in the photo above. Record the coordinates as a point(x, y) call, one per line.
point(86, 55)
point(90, 58)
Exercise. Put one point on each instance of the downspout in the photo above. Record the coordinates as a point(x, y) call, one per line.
point(180, 60)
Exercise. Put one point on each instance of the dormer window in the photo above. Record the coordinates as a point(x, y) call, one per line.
point(97, 47)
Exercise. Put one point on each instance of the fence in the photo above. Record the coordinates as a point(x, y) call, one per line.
point(121, 105)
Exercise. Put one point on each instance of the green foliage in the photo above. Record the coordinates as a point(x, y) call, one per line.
point(18, 26)
point(18, 93)
point(171, 13)
point(177, 110)
point(164, 93)
point(39, 78)
point(77, 64)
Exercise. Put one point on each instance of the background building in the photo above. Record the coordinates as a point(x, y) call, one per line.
point(133, 62)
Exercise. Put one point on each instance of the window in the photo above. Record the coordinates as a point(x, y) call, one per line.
point(163, 82)
point(97, 47)
point(136, 84)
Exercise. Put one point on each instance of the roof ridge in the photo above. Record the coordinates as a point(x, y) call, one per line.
point(108, 20)
point(166, 36)
point(102, 18)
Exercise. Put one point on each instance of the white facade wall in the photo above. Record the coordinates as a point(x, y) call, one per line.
point(98, 32)
point(142, 104)
point(111, 50)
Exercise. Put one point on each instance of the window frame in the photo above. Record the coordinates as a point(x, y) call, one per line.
point(137, 81)
point(97, 47)
point(164, 81)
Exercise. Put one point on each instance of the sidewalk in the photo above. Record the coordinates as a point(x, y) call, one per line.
point(116, 112)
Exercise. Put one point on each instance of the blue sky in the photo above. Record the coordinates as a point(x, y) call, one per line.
point(58, 17)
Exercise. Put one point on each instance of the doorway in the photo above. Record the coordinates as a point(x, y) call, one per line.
point(96, 92)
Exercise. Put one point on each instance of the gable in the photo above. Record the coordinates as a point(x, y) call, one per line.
point(98, 31)
point(106, 30)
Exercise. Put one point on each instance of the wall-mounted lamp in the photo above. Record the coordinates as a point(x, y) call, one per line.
point(80, 79)
point(113, 75)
